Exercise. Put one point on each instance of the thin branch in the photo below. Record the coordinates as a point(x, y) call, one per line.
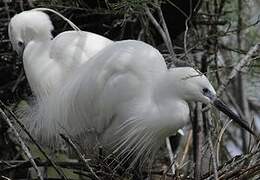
point(197, 141)
point(172, 165)
point(166, 32)
point(243, 62)
point(220, 137)
point(56, 168)
point(159, 29)
point(80, 156)
point(212, 151)
point(233, 166)
point(186, 149)
point(23, 146)
point(24, 164)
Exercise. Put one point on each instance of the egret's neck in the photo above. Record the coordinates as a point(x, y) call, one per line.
point(173, 110)
point(37, 65)
point(166, 88)
point(159, 114)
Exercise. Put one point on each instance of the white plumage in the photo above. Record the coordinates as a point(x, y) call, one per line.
point(48, 62)
point(118, 95)
point(123, 98)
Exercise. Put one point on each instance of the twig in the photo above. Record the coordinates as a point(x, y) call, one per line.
point(197, 141)
point(249, 172)
point(220, 137)
point(22, 164)
point(23, 146)
point(5, 178)
point(186, 149)
point(215, 170)
point(165, 29)
point(185, 33)
point(172, 165)
point(215, 165)
point(159, 29)
point(80, 156)
point(60, 172)
point(232, 165)
point(243, 62)
point(14, 165)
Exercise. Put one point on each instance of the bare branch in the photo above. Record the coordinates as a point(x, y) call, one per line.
point(243, 62)
point(165, 38)
point(80, 156)
point(57, 169)
point(23, 146)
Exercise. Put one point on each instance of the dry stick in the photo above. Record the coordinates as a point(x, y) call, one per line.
point(166, 31)
point(24, 147)
point(186, 148)
point(14, 165)
point(215, 169)
point(249, 172)
point(60, 172)
point(169, 147)
point(252, 161)
point(233, 164)
point(220, 137)
point(215, 165)
point(158, 27)
point(197, 140)
point(80, 156)
point(240, 79)
point(243, 62)
point(5, 178)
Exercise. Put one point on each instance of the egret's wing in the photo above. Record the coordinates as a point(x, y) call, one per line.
point(72, 48)
point(110, 81)
point(97, 98)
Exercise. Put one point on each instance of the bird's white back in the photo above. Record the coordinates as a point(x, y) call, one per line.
point(104, 85)
point(48, 63)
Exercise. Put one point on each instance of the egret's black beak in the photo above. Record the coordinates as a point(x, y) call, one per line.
point(226, 110)
point(220, 105)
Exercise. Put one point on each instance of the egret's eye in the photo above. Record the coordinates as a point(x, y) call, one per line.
point(20, 43)
point(205, 90)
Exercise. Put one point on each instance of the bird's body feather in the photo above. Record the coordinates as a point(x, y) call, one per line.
point(112, 100)
point(118, 95)
point(49, 62)
point(53, 61)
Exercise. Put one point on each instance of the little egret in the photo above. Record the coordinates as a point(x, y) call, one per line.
point(48, 62)
point(124, 99)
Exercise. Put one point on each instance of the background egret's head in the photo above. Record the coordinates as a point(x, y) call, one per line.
point(27, 26)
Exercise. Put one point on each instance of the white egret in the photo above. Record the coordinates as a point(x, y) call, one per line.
point(124, 99)
point(48, 62)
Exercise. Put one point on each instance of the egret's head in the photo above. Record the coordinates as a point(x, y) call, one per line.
point(27, 26)
point(194, 86)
